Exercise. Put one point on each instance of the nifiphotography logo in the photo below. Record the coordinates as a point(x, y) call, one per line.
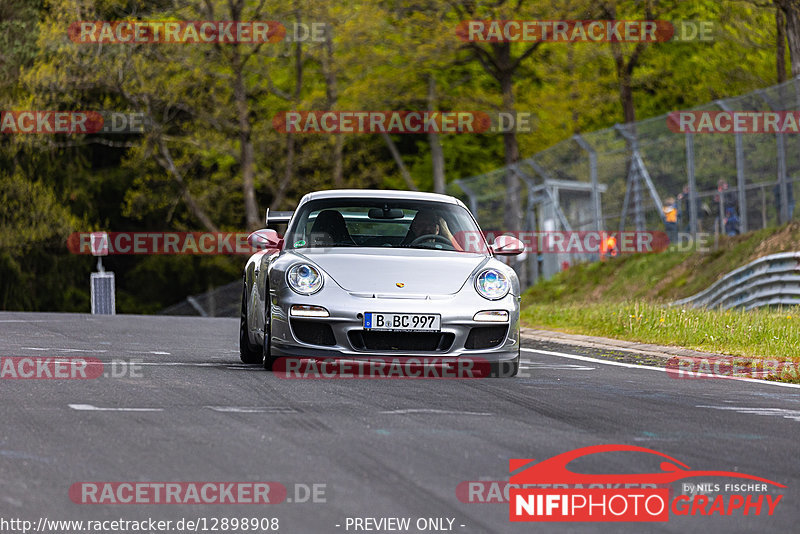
point(549, 491)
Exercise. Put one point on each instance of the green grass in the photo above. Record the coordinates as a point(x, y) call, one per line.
point(661, 277)
point(758, 333)
point(626, 298)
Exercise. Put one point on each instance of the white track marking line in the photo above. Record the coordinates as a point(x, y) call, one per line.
point(91, 408)
point(54, 349)
point(528, 364)
point(252, 409)
point(409, 411)
point(651, 368)
point(51, 349)
point(186, 364)
point(594, 360)
point(782, 412)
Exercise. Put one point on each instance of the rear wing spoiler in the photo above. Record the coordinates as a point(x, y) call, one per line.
point(277, 217)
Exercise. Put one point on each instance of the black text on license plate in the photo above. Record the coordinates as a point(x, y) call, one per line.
point(430, 322)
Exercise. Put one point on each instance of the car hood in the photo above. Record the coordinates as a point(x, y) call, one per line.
point(379, 271)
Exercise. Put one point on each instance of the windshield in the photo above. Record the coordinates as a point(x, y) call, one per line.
point(384, 224)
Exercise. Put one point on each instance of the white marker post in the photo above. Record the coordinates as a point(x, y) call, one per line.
point(102, 283)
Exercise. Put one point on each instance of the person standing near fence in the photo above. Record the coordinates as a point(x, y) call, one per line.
point(731, 222)
point(671, 219)
point(683, 209)
point(608, 247)
point(724, 199)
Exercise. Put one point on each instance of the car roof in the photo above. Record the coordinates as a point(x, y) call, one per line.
point(380, 194)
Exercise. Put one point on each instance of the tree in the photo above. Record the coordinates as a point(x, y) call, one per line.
point(791, 14)
point(780, 44)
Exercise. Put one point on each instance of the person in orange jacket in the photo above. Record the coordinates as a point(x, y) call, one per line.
point(608, 247)
point(671, 219)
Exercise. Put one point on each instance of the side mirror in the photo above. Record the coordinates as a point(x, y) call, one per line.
point(507, 245)
point(265, 239)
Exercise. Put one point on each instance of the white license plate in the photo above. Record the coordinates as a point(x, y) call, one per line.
point(410, 322)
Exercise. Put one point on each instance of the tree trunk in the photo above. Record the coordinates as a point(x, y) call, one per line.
point(791, 11)
point(332, 94)
point(626, 97)
point(625, 81)
point(166, 161)
point(288, 172)
point(437, 154)
point(399, 160)
point(573, 95)
point(246, 159)
point(246, 152)
point(338, 163)
point(626, 66)
point(512, 218)
point(501, 65)
point(780, 45)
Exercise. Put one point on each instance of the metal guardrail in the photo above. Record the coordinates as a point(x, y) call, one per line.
point(222, 301)
point(769, 281)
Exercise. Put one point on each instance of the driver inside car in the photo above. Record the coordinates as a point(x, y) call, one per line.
point(429, 223)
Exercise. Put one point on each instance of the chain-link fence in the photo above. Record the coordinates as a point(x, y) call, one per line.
point(222, 301)
point(626, 177)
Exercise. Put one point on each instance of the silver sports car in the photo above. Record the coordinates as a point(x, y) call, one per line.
point(362, 274)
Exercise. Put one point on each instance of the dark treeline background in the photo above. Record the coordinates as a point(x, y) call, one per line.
point(213, 161)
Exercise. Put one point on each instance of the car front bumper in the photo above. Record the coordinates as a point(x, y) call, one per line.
point(342, 334)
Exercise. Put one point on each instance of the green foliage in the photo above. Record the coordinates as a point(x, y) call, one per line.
point(381, 57)
point(30, 215)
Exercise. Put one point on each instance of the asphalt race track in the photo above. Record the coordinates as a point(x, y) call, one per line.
point(188, 410)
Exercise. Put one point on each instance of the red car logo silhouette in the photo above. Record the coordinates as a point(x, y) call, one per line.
point(554, 470)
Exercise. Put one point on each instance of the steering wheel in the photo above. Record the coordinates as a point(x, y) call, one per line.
point(434, 237)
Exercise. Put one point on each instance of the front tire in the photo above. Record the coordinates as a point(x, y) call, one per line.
point(247, 353)
point(506, 369)
point(267, 359)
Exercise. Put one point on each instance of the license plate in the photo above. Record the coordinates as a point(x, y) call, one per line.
point(410, 322)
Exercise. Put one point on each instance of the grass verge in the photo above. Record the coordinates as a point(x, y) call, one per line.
point(747, 335)
point(626, 298)
point(758, 333)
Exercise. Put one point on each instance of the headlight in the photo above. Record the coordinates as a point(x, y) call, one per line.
point(492, 284)
point(304, 279)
